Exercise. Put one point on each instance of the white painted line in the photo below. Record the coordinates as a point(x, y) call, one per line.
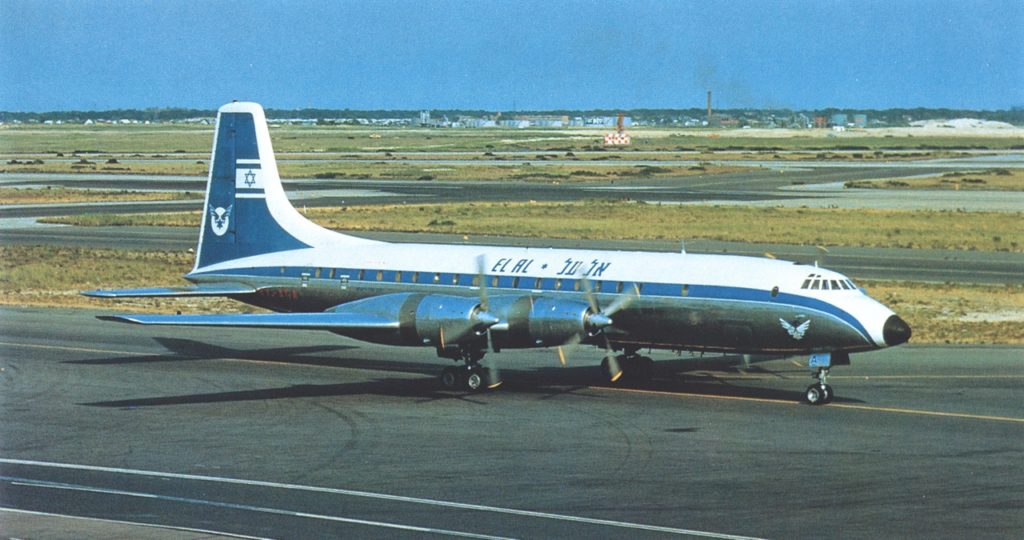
point(134, 523)
point(384, 496)
point(246, 507)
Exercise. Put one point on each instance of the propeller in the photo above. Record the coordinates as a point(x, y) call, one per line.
point(492, 364)
point(598, 320)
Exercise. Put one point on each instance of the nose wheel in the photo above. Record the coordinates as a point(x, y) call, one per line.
point(819, 393)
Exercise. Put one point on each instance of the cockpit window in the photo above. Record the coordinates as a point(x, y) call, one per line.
point(816, 282)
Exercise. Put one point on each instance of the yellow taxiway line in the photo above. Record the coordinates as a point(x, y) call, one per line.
point(872, 408)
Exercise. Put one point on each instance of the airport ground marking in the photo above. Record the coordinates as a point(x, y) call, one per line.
point(63, 348)
point(920, 412)
point(133, 523)
point(383, 496)
point(244, 507)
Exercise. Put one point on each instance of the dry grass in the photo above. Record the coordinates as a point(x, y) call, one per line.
point(50, 195)
point(961, 314)
point(984, 180)
point(612, 220)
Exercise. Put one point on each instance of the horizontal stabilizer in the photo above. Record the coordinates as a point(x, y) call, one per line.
point(338, 322)
point(212, 289)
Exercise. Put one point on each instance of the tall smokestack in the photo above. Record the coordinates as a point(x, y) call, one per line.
point(709, 107)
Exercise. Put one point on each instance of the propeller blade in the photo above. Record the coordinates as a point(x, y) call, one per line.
point(566, 349)
point(614, 371)
point(622, 302)
point(493, 375)
point(588, 293)
point(481, 264)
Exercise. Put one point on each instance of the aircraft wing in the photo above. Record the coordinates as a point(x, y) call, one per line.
point(304, 321)
point(213, 289)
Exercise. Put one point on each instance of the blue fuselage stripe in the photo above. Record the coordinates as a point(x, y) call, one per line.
point(647, 289)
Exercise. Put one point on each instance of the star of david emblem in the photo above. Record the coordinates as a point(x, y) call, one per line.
point(250, 178)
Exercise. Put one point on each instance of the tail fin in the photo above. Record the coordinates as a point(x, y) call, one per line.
point(246, 211)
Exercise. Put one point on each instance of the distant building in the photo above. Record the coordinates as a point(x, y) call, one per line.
point(838, 119)
point(860, 120)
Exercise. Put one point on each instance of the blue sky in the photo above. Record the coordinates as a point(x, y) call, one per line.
point(90, 54)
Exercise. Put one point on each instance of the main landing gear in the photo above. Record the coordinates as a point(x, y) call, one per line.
point(471, 375)
point(819, 393)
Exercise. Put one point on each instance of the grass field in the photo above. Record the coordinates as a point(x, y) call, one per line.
point(40, 276)
point(987, 179)
point(612, 220)
point(171, 139)
point(68, 195)
point(389, 169)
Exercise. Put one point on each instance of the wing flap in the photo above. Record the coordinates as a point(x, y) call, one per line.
point(301, 321)
point(212, 289)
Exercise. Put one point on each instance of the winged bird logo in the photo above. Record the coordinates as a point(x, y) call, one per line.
point(796, 331)
point(219, 218)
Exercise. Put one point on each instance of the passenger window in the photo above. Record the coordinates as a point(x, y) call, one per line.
point(437, 278)
point(494, 281)
point(597, 286)
point(380, 275)
point(775, 291)
point(317, 273)
point(686, 290)
point(455, 279)
point(282, 270)
point(618, 287)
point(638, 286)
point(415, 277)
point(576, 285)
point(515, 282)
point(331, 275)
point(362, 274)
point(475, 282)
point(558, 284)
point(398, 277)
point(537, 285)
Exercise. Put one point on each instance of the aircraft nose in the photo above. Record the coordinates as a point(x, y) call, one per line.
point(895, 331)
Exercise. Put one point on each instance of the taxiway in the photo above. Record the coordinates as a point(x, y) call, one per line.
point(298, 434)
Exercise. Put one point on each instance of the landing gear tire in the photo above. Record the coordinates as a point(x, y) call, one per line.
point(818, 394)
point(474, 380)
point(450, 378)
point(815, 394)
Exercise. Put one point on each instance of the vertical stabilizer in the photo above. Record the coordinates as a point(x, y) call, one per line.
point(246, 211)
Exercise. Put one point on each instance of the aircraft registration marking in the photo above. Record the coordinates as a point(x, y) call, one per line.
point(569, 267)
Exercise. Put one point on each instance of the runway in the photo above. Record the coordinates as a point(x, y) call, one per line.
point(301, 434)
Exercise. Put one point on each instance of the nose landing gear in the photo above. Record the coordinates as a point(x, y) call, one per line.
point(819, 393)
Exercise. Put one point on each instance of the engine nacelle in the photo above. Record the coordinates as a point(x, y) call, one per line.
point(419, 319)
point(539, 321)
